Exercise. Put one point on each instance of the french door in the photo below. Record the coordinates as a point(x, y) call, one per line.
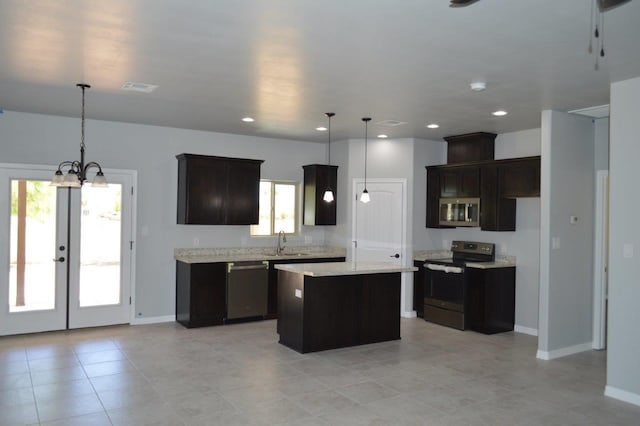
point(65, 253)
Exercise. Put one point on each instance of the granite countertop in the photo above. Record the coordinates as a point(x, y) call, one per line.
point(344, 268)
point(502, 261)
point(241, 254)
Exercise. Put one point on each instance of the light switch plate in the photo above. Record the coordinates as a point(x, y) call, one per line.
point(555, 243)
point(627, 251)
point(298, 293)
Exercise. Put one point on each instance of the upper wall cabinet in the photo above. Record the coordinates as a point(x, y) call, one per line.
point(218, 190)
point(317, 178)
point(462, 182)
point(478, 146)
point(519, 177)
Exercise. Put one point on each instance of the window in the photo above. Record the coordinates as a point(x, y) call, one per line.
point(278, 208)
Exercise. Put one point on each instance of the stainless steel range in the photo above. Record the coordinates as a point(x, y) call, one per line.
point(445, 292)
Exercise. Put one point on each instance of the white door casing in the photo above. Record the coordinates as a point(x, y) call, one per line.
point(600, 264)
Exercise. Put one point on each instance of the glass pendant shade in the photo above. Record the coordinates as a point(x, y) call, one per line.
point(71, 180)
point(57, 179)
point(328, 195)
point(99, 181)
point(365, 196)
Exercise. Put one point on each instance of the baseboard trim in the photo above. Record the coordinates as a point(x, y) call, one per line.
point(409, 314)
point(559, 353)
point(526, 330)
point(153, 320)
point(622, 395)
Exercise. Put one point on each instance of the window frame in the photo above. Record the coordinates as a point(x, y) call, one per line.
point(297, 210)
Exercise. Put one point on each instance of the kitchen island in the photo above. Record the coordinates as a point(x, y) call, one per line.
point(338, 304)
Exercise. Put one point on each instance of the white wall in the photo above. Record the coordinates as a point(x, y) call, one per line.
point(623, 357)
point(601, 144)
point(41, 139)
point(523, 243)
point(566, 271)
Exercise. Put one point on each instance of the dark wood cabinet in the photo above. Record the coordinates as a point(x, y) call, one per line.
point(433, 197)
point(498, 183)
point(317, 178)
point(200, 293)
point(272, 305)
point(418, 288)
point(477, 146)
point(328, 312)
point(218, 190)
point(491, 299)
point(519, 177)
point(496, 213)
point(459, 182)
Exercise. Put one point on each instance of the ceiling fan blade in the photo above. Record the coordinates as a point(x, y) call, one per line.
point(461, 3)
point(606, 5)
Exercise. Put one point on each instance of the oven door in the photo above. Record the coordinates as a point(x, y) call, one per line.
point(444, 287)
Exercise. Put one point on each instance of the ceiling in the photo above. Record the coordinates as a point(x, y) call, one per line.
point(286, 62)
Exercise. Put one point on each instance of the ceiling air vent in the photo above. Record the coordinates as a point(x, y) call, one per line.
point(139, 87)
point(595, 112)
point(391, 123)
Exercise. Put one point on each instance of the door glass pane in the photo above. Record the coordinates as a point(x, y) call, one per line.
point(285, 208)
point(100, 245)
point(33, 241)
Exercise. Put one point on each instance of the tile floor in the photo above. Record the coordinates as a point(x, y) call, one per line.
point(164, 374)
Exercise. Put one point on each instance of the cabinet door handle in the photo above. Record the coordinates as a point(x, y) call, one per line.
point(60, 259)
point(397, 256)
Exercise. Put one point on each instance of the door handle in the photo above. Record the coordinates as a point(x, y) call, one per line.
point(397, 256)
point(60, 259)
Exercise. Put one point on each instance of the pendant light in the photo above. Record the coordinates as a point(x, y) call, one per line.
point(365, 194)
point(77, 173)
point(328, 193)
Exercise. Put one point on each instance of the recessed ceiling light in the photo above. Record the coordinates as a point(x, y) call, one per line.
point(478, 86)
point(321, 129)
point(500, 113)
point(248, 120)
point(139, 87)
point(433, 126)
point(381, 136)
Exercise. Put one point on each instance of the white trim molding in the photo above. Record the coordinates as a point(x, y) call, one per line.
point(526, 330)
point(409, 314)
point(153, 320)
point(622, 395)
point(562, 352)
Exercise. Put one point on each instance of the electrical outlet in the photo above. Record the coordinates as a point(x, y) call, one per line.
point(196, 242)
point(627, 251)
point(555, 243)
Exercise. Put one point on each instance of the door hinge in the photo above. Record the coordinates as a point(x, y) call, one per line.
point(355, 244)
point(132, 190)
point(129, 299)
point(130, 245)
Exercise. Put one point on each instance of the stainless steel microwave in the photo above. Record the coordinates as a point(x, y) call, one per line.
point(460, 212)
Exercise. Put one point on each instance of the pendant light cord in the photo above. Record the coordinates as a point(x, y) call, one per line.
point(82, 121)
point(366, 125)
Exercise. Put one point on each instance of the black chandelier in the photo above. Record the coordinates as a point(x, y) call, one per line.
point(77, 173)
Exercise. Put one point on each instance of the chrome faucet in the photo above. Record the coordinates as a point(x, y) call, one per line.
point(280, 246)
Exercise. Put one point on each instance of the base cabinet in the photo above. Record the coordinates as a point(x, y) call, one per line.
point(491, 299)
point(272, 310)
point(418, 288)
point(200, 293)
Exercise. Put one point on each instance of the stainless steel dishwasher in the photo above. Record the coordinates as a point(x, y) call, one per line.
point(247, 289)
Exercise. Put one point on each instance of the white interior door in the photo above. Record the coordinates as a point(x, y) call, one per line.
point(33, 255)
point(65, 254)
point(379, 225)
